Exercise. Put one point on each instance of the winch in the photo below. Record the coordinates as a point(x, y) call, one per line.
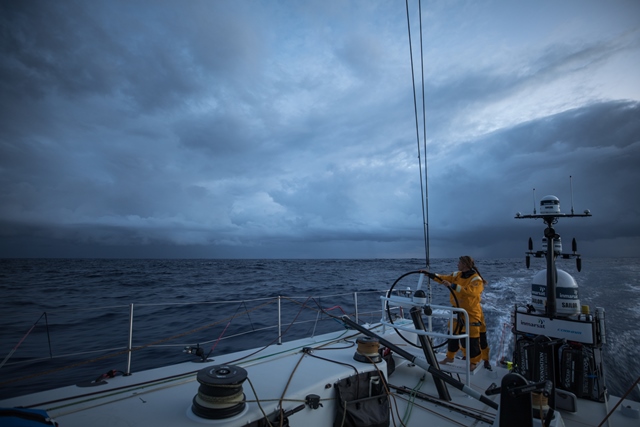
point(220, 394)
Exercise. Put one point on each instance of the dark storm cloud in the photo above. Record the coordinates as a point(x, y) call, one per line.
point(597, 145)
point(234, 129)
point(479, 85)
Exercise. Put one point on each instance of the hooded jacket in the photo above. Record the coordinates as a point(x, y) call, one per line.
point(468, 287)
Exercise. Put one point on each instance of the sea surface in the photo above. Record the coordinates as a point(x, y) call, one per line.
point(57, 314)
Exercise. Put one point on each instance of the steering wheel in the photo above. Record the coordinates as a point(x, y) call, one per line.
point(390, 317)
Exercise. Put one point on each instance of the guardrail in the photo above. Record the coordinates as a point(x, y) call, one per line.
point(437, 311)
point(353, 308)
point(92, 337)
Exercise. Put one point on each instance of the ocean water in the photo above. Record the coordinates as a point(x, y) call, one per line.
point(55, 314)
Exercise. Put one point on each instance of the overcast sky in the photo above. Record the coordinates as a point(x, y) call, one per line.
point(286, 129)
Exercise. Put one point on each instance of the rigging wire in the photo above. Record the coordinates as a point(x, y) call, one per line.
point(424, 144)
point(21, 340)
point(426, 173)
point(423, 184)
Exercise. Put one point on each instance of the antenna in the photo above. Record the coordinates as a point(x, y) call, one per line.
point(534, 201)
point(571, 187)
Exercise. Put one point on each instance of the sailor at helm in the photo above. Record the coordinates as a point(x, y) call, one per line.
point(467, 284)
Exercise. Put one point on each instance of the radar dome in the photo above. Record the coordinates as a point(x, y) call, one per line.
point(567, 298)
point(550, 205)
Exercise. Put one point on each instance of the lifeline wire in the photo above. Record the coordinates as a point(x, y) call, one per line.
point(21, 340)
point(85, 362)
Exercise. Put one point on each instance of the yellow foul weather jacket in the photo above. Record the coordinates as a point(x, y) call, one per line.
point(468, 290)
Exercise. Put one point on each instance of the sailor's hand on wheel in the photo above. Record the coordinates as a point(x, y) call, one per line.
point(429, 275)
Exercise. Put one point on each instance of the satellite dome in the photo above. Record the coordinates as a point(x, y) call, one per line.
point(567, 298)
point(550, 205)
